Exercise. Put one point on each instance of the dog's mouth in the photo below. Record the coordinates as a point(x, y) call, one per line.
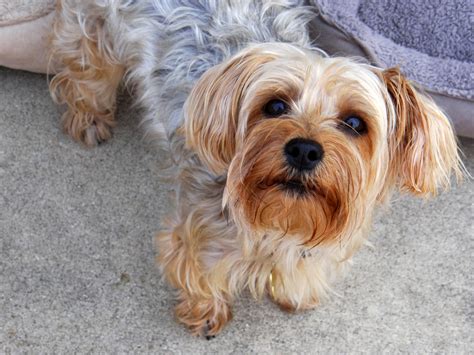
point(294, 186)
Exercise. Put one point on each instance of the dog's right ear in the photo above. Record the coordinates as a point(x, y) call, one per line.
point(212, 109)
point(424, 149)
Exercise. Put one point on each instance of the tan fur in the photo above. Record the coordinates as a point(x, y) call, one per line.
point(87, 80)
point(234, 223)
point(423, 147)
point(409, 144)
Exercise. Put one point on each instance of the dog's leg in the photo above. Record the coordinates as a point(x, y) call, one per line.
point(204, 305)
point(304, 287)
point(202, 315)
point(88, 72)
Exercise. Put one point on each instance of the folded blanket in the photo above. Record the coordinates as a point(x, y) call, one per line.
point(431, 40)
point(17, 11)
point(25, 26)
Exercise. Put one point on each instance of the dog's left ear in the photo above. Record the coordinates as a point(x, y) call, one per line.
point(423, 146)
point(213, 107)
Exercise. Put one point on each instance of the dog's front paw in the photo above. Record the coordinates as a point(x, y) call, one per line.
point(204, 317)
point(288, 294)
point(207, 331)
point(87, 128)
point(97, 133)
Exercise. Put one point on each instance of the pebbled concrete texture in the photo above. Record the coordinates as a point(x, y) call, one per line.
point(77, 270)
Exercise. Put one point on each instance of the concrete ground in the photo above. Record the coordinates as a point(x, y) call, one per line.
point(77, 268)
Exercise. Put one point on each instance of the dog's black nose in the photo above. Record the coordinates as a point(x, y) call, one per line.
point(303, 154)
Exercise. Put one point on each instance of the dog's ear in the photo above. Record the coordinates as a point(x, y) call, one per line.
point(212, 110)
point(423, 146)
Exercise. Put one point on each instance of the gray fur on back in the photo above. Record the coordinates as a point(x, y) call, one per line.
point(178, 40)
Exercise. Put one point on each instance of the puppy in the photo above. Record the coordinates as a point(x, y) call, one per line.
point(280, 153)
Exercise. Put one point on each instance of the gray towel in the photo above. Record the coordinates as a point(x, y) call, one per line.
point(431, 40)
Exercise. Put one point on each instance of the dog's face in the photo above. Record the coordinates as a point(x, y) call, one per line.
point(310, 144)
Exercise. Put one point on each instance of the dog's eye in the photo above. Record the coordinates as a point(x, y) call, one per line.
point(355, 125)
point(275, 108)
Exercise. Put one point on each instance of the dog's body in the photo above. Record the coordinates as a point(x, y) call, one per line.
point(280, 153)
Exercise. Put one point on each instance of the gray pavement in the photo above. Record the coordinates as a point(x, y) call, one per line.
point(77, 268)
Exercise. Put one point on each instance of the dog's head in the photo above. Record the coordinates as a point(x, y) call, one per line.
point(310, 144)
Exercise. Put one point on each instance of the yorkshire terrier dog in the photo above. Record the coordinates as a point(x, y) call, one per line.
point(280, 154)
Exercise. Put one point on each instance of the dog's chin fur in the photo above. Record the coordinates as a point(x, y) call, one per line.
point(244, 219)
